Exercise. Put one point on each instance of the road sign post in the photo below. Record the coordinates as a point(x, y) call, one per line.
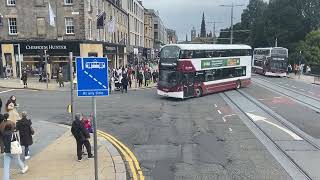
point(92, 76)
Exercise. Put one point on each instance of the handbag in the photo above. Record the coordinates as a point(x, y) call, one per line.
point(31, 130)
point(15, 144)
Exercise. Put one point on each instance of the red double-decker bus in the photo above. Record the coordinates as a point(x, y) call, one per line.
point(193, 70)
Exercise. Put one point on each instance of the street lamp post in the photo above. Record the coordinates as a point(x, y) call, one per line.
point(232, 7)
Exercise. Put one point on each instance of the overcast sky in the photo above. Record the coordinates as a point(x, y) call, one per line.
point(182, 15)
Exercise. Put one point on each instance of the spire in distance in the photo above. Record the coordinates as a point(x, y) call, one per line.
point(203, 32)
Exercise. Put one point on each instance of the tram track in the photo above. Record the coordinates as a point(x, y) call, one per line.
point(292, 167)
point(302, 98)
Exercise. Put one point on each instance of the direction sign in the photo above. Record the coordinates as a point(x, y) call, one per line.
point(92, 76)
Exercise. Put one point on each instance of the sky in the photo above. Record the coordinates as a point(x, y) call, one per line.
point(182, 15)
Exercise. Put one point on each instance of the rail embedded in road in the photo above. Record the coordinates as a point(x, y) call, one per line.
point(306, 100)
point(271, 132)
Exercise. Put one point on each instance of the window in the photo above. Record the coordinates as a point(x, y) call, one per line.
point(156, 26)
point(90, 29)
point(69, 25)
point(11, 2)
point(41, 26)
point(217, 74)
point(188, 54)
point(39, 2)
point(12, 22)
point(1, 20)
point(68, 2)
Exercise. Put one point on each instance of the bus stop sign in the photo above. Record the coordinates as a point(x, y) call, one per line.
point(92, 76)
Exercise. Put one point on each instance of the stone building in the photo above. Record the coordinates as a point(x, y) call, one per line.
point(172, 36)
point(149, 15)
point(57, 27)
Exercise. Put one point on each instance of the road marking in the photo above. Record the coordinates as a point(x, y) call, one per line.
point(310, 92)
point(7, 91)
point(260, 118)
point(230, 129)
point(129, 156)
point(279, 97)
point(293, 87)
point(215, 106)
point(219, 112)
point(261, 99)
point(302, 90)
point(224, 117)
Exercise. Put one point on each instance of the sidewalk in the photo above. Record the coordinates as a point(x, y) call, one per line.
point(58, 161)
point(33, 84)
point(304, 78)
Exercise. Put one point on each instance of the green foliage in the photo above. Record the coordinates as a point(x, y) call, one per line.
point(310, 48)
point(289, 21)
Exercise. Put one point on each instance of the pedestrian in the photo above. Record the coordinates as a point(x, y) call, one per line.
point(124, 82)
point(130, 81)
point(82, 137)
point(155, 75)
point(140, 79)
point(147, 77)
point(1, 142)
point(12, 111)
point(60, 78)
point(24, 78)
point(26, 131)
point(296, 69)
point(8, 135)
point(110, 83)
point(0, 105)
point(289, 69)
point(13, 99)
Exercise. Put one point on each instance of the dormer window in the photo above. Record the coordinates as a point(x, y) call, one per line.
point(11, 2)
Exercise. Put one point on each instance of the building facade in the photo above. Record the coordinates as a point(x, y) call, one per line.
point(149, 15)
point(160, 33)
point(55, 28)
point(172, 36)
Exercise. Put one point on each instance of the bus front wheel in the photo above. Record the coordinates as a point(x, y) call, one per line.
point(198, 92)
point(238, 84)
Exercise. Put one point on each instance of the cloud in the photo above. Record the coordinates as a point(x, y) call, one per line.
point(182, 15)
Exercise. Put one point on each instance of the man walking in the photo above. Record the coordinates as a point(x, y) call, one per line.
point(82, 137)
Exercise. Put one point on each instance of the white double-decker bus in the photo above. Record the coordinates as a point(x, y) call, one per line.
point(193, 70)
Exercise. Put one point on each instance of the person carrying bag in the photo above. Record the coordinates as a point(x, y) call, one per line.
point(12, 147)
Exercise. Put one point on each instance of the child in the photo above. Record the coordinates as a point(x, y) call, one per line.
point(87, 123)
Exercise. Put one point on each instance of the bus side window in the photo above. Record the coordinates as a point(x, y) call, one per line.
point(200, 77)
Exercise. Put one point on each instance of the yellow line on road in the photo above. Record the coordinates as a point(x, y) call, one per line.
point(130, 157)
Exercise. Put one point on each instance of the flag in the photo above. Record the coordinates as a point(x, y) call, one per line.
point(52, 17)
point(100, 20)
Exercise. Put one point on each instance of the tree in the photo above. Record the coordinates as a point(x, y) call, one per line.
point(203, 32)
point(310, 48)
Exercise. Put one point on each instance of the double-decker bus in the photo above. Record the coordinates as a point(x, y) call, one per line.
point(271, 61)
point(193, 70)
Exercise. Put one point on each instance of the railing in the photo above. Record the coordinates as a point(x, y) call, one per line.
point(316, 79)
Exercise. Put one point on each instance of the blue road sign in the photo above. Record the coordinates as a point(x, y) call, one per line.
point(92, 76)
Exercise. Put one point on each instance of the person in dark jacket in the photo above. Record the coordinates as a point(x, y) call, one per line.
point(0, 105)
point(124, 82)
point(24, 78)
point(82, 136)
point(140, 78)
point(1, 142)
point(26, 132)
point(7, 130)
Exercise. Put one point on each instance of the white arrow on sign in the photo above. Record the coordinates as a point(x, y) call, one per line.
point(260, 118)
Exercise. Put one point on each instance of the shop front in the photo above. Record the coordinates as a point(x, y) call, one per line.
point(116, 55)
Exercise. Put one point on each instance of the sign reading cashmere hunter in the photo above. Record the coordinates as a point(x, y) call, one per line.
point(54, 47)
point(212, 63)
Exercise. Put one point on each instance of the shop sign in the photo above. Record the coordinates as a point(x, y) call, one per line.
point(53, 48)
point(110, 49)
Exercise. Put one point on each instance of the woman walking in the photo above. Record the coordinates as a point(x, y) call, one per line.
point(11, 109)
point(8, 135)
point(26, 132)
